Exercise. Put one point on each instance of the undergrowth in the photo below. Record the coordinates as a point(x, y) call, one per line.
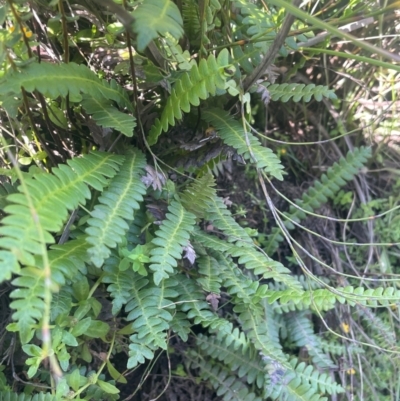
point(122, 251)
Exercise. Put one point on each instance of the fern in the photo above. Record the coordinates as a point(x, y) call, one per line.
point(323, 189)
point(156, 16)
point(210, 274)
point(65, 188)
point(108, 116)
point(198, 194)
point(301, 332)
point(225, 385)
point(191, 300)
point(297, 92)
point(191, 20)
point(60, 80)
point(170, 238)
point(245, 143)
point(108, 223)
point(235, 351)
point(150, 320)
point(192, 86)
point(303, 383)
point(218, 213)
point(8, 396)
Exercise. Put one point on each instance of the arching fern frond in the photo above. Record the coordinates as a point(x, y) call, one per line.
point(224, 383)
point(46, 206)
point(109, 219)
point(54, 80)
point(296, 92)
point(239, 354)
point(303, 382)
point(108, 116)
point(210, 274)
point(154, 17)
point(221, 218)
point(245, 143)
point(323, 189)
point(8, 396)
point(301, 332)
point(193, 85)
point(196, 196)
point(172, 235)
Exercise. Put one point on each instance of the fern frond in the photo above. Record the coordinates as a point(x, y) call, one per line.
point(5, 190)
point(172, 235)
point(150, 320)
point(258, 333)
point(191, 20)
point(252, 260)
point(301, 332)
point(221, 218)
point(29, 304)
point(191, 300)
point(154, 17)
point(210, 274)
point(51, 196)
point(196, 196)
point(119, 281)
point(108, 116)
point(237, 352)
point(109, 219)
point(7, 396)
point(225, 384)
point(54, 80)
point(323, 189)
point(245, 143)
point(296, 92)
point(193, 85)
point(67, 260)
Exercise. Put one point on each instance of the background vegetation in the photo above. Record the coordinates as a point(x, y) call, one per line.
point(199, 200)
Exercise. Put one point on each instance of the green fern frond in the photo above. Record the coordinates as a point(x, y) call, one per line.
point(239, 354)
point(150, 320)
point(247, 59)
point(245, 143)
point(67, 260)
point(380, 330)
point(301, 332)
point(225, 384)
point(296, 92)
point(191, 20)
point(258, 333)
point(119, 281)
point(221, 218)
point(29, 304)
point(193, 86)
point(302, 383)
point(7, 396)
point(321, 382)
point(252, 260)
point(109, 219)
point(323, 189)
point(54, 80)
point(210, 274)
point(154, 17)
point(196, 196)
point(5, 190)
point(191, 300)
point(108, 116)
point(51, 196)
point(172, 235)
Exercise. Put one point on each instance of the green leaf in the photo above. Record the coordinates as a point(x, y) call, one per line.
point(107, 387)
point(155, 17)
